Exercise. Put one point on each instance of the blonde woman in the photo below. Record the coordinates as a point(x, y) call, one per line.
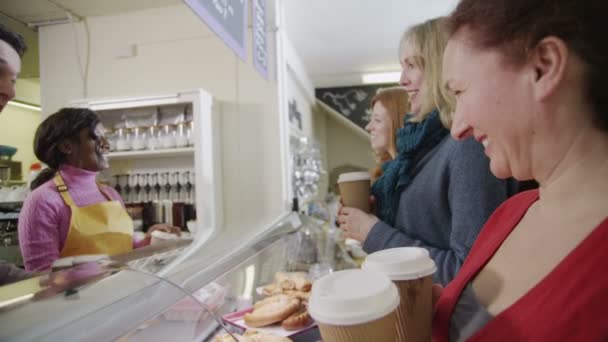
point(389, 107)
point(437, 192)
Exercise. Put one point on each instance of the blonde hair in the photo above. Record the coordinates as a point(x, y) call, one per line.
point(429, 40)
point(395, 101)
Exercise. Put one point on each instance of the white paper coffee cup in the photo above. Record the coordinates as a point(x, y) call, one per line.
point(355, 306)
point(411, 269)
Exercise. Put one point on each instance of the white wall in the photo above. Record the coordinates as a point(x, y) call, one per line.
point(340, 145)
point(17, 128)
point(175, 50)
point(319, 120)
point(18, 125)
point(298, 93)
point(299, 87)
point(28, 90)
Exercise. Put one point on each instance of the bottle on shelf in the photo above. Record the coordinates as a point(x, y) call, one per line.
point(190, 206)
point(178, 203)
point(35, 169)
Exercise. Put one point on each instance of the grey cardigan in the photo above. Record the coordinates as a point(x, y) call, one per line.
point(451, 196)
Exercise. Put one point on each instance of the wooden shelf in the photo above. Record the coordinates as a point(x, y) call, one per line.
point(144, 154)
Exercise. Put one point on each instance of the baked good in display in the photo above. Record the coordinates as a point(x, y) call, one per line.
point(286, 303)
point(301, 295)
point(272, 312)
point(271, 289)
point(272, 299)
point(260, 336)
point(228, 338)
point(287, 281)
point(251, 336)
point(297, 320)
point(292, 281)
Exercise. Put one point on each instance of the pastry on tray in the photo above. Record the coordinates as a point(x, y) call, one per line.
point(292, 281)
point(301, 295)
point(260, 336)
point(272, 299)
point(287, 281)
point(297, 320)
point(228, 338)
point(273, 311)
point(251, 336)
point(285, 304)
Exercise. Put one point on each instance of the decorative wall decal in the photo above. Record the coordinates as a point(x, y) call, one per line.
point(352, 102)
point(260, 41)
point(295, 117)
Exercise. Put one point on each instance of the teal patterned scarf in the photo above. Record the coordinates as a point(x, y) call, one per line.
point(412, 139)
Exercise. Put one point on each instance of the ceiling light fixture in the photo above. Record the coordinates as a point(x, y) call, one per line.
point(24, 105)
point(381, 77)
point(48, 22)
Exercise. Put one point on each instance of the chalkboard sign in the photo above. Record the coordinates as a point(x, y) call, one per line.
point(227, 18)
point(260, 48)
point(352, 102)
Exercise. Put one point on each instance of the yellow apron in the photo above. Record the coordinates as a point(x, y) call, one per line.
point(102, 228)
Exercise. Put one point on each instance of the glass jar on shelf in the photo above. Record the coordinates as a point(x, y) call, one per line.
point(110, 136)
point(152, 138)
point(138, 138)
point(167, 136)
point(190, 133)
point(181, 136)
point(122, 139)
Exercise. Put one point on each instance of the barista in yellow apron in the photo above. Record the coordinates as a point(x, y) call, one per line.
point(102, 228)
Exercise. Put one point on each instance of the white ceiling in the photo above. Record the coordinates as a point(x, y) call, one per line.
point(338, 40)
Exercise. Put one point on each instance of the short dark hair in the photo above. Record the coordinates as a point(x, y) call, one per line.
point(517, 26)
point(13, 39)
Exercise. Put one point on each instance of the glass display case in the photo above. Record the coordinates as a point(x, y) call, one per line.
point(111, 301)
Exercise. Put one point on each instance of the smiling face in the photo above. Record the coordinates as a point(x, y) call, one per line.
point(379, 128)
point(412, 76)
point(494, 104)
point(10, 66)
point(89, 152)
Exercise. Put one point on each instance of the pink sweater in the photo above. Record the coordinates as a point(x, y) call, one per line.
point(45, 218)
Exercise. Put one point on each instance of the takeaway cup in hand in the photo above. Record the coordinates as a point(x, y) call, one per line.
point(355, 306)
point(355, 190)
point(411, 270)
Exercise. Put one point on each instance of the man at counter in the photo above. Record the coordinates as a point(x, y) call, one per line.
point(12, 48)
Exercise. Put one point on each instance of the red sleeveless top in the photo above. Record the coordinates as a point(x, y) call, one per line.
point(569, 304)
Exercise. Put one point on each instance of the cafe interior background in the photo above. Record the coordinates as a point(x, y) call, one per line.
point(279, 101)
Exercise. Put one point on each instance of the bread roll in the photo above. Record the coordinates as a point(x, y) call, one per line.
point(272, 312)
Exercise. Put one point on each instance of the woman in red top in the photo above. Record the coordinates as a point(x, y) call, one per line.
point(530, 77)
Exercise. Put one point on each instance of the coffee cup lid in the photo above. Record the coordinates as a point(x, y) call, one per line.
point(402, 263)
point(353, 177)
point(352, 297)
